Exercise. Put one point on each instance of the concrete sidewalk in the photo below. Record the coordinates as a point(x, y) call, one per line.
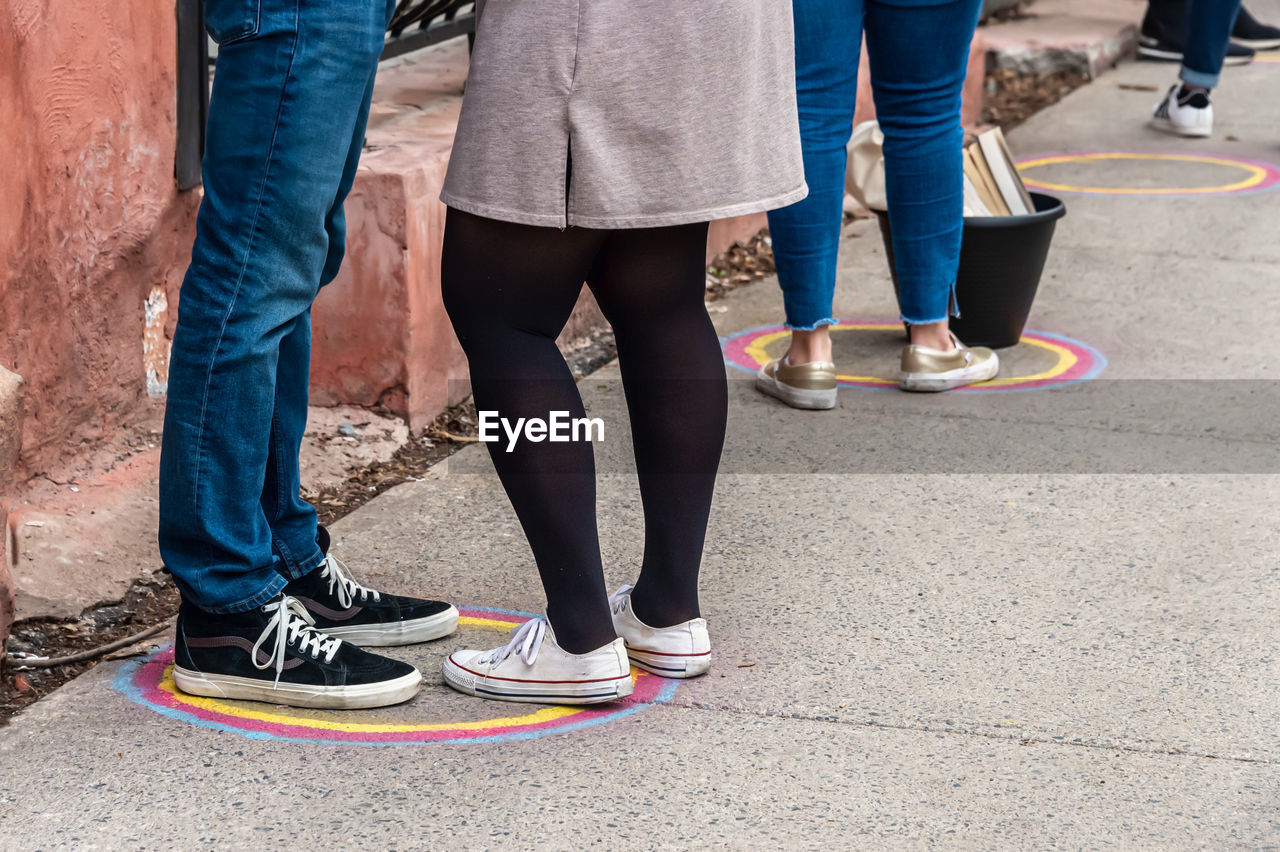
point(1005, 658)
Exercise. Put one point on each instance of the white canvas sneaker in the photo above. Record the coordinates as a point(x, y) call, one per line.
point(680, 651)
point(1187, 115)
point(531, 667)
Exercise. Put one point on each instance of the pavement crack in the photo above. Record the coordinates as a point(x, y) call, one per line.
point(1021, 738)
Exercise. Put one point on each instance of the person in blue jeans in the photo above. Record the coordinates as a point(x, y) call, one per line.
point(1186, 109)
point(919, 52)
point(1164, 33)
point(267, 612)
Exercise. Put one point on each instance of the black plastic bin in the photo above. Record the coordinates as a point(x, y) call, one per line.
point(1001, 259)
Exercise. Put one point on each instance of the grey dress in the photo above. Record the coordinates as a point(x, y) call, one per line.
point(628, 113)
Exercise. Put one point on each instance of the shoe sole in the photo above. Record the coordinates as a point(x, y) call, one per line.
point(355, 697)
point(1166, 126)
point(409, 632)
point(1258, 44)
point(806, 398)
point(935, 382)
point(1156, 54)
point(596, 692)
point(678, 666)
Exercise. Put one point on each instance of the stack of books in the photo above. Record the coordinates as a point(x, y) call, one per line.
point(992, 185)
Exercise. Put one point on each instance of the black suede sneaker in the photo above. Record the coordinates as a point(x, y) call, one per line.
point(342, 607)
point(1158, 49)
point(275, 654)
point(1251, 32)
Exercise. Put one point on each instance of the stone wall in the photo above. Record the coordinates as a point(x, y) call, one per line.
point(94, 235)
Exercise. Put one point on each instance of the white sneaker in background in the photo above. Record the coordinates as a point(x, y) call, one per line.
point(681, 651)
point(1184, 113)
point(531, 667)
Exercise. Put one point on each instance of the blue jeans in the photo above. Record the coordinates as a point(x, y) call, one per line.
point(919, 53)
point(1209, 24)
point(286, 124)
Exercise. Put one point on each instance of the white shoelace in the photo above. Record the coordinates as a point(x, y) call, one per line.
point(617, 600)
point(292, 623)
point(526, 639)
point(340, 581)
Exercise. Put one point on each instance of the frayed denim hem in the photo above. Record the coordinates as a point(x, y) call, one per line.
point(815, 326)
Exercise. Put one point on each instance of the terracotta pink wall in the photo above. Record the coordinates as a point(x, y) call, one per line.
point(90, 219)
point(10, 423)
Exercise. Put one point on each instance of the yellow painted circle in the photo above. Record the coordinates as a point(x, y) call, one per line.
point(1256, 174)
point(1066, 359)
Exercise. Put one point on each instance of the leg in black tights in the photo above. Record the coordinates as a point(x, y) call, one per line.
point(509, 289)
point(650, 284)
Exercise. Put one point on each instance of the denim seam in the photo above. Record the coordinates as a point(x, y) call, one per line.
point(290, 563)
point(315, 563)
point(953, 310)
point(277, 446)
point(253, 233)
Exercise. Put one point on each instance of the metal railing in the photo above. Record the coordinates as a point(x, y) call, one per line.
point(193, 92)
point(420, 23)
point(416, 24)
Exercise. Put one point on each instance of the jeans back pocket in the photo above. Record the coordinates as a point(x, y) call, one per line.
point(229, 21)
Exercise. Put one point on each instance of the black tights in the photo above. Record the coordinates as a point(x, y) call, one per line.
point(509, 290)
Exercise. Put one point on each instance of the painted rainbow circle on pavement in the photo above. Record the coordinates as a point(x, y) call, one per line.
point(1254, 176)
point(149, 682)
point(1074, 361)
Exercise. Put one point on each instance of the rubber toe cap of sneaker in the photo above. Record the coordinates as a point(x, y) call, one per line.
point(468, 658)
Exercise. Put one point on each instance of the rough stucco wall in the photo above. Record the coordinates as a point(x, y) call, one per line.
point(91, 223)
point(10, 420)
